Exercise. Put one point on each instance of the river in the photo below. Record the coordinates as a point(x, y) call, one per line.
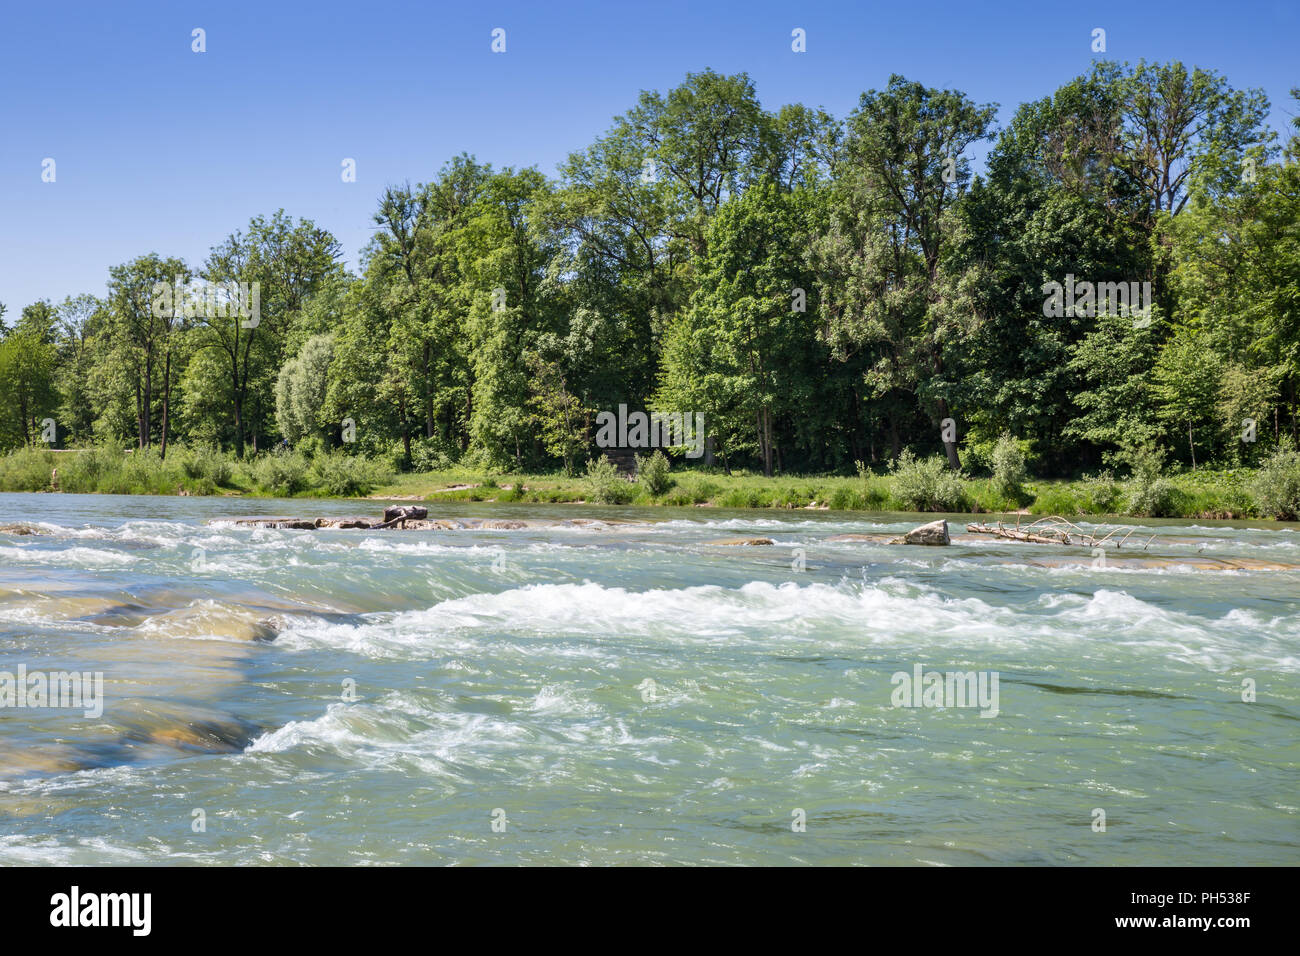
point(624, 691)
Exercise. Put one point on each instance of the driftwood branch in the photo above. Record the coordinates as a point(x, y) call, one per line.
point(1053, 530)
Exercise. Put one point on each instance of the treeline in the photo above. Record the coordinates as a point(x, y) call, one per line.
point(824, 291)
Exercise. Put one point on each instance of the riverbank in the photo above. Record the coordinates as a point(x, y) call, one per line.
point(1239, 493)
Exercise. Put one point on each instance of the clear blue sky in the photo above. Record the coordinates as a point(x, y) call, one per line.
point(162, 149)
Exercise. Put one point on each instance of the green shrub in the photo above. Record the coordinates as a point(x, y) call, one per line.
point(434, 454)
point(875, 495)
point(280, 473)
point(792, 498)
point(739, 498)
point(987, 497)
point(925, 484)
point(515, 492)
point(206, 463)
point(842, 499)
point(28, 469)
point(1102, 494)
point(652, 472)
point(345, 476)
point(1008, 466)
point(700, 490)
point(1276, 487)
point(605, 485)
point(1150, 494)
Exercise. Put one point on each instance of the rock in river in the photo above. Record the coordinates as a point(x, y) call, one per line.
point(936, 532)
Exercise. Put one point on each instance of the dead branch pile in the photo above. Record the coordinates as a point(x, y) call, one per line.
point(1056, 530)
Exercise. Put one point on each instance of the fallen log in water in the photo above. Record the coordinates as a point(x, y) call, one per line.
point(1013, 535)
point(1054, 530)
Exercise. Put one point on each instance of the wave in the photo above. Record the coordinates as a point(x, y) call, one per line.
point(848, 618)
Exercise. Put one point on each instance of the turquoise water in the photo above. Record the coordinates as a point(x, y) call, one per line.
point(627, 692)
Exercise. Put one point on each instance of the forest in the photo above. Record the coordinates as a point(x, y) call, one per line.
point(1118, 289)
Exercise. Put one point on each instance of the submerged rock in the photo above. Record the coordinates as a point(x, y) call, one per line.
point(741, 542)
point(300, 524)
point(354, 522)
point(18, 528)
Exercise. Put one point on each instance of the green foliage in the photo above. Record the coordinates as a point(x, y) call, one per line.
point(819, 290)
point(300, 389)
point(1057, 500)
point(1008, 464)
point(346, 476)
point(205, 463)
point(1277, 486)
point(925, 484)
point(1101, 494)
point(605, 485)
point(27, 469)
point(280, 473)
point(1150, 494)
point(433, 454)
point(27, 395)
point(652, 473)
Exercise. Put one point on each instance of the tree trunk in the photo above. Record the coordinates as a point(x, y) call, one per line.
point(428, 395)
point(145, 437)
point(139, 416)
point(950, 447)
point(239, 425)
point(167, 400)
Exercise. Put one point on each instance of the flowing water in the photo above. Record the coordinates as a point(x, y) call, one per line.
point(625, 691)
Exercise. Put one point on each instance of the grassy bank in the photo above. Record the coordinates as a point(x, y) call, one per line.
point(910, 485)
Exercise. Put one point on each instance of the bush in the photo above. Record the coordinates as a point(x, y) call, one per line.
point(842, 499)
point(740, 498)
point(1151, 495)
point(28, 469)
point(704, 491)
point(1277, 485)
point(1102, 494)
point(1008, 465)
point(925, 484)
point(345, 476)
point(206, 463)
point(875, 492)
point(433, 454)
point(793, 498)
point(605, 485)
point(652, 472)
point(280, 473)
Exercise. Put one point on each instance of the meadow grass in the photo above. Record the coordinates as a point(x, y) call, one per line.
point(1205, 493)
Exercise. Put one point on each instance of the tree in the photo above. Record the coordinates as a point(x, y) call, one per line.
point(284, 263)
point(300, 389)
point(902, 170)
point(144, 333)
point(1186, 385)
point(752, 318)
point(26, 386)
